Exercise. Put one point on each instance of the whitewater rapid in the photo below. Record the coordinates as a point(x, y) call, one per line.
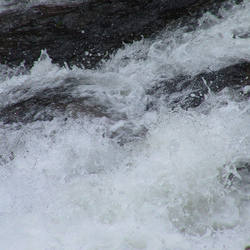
point(106, 173)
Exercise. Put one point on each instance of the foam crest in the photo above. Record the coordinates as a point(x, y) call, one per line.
point(216, 43)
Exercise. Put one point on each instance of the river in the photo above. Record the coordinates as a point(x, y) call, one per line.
point(101, 162)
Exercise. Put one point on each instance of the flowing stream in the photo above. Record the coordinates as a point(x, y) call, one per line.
point(21, 4)
point(89, 159)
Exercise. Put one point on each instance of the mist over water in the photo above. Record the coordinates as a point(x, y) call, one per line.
point(106, 173)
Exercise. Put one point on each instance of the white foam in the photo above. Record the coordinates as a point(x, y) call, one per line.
point(246, 89)
point(69, 186)
point(66, 184)
point(181, 52)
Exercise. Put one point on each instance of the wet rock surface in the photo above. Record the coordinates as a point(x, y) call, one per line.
point(190, 92)
point(186, 93)
point(86, 33)
point(44, 105)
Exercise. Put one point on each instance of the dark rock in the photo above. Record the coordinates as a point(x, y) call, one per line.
point(189, 92)
point(46, 104)
point(86, 33)
point(60, 101)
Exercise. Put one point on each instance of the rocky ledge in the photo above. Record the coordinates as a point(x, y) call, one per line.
point(187, 93)
point(86, 33)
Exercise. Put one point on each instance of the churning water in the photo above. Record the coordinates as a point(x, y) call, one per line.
point(99, 170)
point(17, 4)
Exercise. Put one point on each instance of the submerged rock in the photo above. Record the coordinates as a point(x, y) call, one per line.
point(190, 92)
point(46, 104)
point(86, 33)
point(187, 93)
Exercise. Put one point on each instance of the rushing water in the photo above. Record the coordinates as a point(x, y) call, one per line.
point(105, 172)
point(17, 4)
